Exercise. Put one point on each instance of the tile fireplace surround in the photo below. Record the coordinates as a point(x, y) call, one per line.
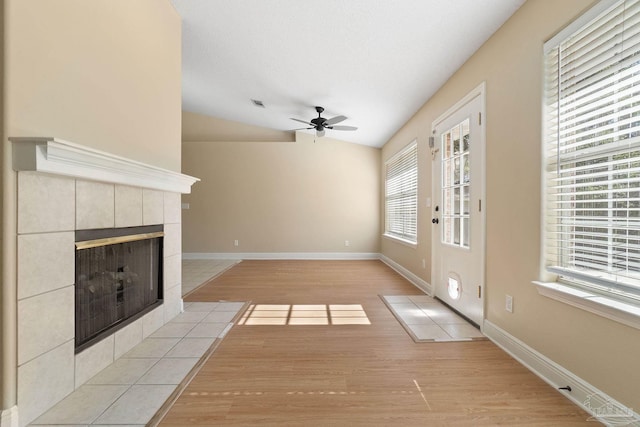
point(55, 198)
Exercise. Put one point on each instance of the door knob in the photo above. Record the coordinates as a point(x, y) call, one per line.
point(435, 221)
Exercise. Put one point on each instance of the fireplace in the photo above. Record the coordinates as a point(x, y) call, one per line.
point(63, 187)
point(118, 279)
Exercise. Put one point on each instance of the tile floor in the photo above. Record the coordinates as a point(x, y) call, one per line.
point(426, 319)
point(131, 390)
point(196, 272)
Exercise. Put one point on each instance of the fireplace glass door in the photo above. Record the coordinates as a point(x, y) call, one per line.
point(117, 279)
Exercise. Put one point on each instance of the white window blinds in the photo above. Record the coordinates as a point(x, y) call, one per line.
point(592, 151)
point(401, 194)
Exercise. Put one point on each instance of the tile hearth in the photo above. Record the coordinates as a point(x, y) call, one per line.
point(132, 389)
point(197, 272)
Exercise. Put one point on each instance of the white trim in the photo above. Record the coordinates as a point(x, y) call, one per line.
point(281, 255)
point(400, 240)
point(56, 156)
point(582, 393)
point(475, 92)
point(423, 285)
point(9, 417)
point(616, 310)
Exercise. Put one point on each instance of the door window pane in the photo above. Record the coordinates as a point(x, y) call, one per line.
point(465, 200)
point(456, 181)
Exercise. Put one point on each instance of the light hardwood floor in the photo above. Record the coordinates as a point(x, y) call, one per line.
point(353, 375)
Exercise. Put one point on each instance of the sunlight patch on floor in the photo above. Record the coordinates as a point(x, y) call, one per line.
point(304, 314)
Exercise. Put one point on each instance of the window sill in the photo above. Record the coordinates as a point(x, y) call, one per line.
point(611, 308)
point(401, 241)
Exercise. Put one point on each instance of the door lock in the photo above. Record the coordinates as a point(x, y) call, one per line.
point(435, 221)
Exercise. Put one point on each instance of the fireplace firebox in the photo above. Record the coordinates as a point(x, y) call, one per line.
point(118, 279)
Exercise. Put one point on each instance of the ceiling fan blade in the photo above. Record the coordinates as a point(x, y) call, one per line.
point(344, 127)
point(302, 129)
point(336, 119)
point(302, 121)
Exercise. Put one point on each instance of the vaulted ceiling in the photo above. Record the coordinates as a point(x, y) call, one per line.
point(375, 61)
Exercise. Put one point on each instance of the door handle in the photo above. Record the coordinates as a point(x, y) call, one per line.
point(435, 221)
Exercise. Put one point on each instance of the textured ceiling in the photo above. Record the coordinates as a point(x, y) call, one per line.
point(375, 61)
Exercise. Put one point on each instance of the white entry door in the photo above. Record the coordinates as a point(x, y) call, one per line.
point(457, 210)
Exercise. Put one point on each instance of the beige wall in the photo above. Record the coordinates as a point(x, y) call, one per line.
point(104, 74)
point(601, 351)
point(281, 197)
point(198, 127)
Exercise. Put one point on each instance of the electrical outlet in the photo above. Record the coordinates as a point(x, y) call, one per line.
point(508, 303)
point(346, 243)
point(236, 243)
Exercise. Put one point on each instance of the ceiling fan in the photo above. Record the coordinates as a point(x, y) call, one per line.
point(320, 123)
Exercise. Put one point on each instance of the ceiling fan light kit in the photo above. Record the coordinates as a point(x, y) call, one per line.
point(320, 123)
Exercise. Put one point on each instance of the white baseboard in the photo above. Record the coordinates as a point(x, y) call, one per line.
point(282, 255)
point(9, 417)
point(602, 407)
point(415, 280)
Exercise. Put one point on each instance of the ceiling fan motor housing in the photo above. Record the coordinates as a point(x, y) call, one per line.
point(319, 121)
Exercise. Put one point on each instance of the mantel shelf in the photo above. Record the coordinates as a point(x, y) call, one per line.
point(56, 156)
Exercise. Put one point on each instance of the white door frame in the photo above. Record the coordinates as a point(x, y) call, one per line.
point(479, 91)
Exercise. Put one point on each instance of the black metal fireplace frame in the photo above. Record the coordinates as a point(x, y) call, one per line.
point(104, 237)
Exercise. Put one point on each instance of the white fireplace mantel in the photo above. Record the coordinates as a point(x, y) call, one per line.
point(56, 156)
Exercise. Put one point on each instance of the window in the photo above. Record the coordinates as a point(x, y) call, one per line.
point(456, 185)
point(592, 151)
point(401, 194)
